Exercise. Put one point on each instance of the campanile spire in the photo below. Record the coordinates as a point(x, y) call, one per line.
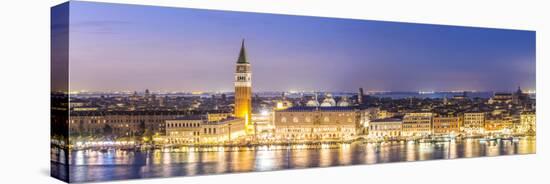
point(242, 55)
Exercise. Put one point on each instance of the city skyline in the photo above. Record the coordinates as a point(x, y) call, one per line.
point(191, 50)
point(482, 111)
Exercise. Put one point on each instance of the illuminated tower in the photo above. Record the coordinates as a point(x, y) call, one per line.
point(243, 89)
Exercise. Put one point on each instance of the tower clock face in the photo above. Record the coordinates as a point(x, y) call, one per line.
point(241, 78)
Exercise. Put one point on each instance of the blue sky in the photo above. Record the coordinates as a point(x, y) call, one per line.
point(131, 47)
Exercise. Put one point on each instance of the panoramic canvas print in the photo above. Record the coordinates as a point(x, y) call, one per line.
point(147, 92)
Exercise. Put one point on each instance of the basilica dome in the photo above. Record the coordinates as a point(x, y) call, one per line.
point(312, 103)
point(343, 102)
point(328, 101)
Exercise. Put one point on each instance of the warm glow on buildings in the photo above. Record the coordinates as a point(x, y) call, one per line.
point(316, 123)
point(389, 128)
point(498, 125)
point(243, 90)
point(417, 124)
point(446, 124)
point(197, 129)
point(528, 122)
point(217, 116)
point(474, 123)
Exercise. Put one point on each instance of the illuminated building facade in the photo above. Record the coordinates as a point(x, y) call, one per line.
point(385, 128)
point(283, 103)
point(498, 125)
point(383, 113)
point(417, 124)
point(528, 122)
point(197, 129)
point(243, 89)
point(474, 123)
point(366, 116)
point(263, 124)
point(446, 124)
point(183, 131)
point(217, 116)
point(316, 123)
point(501, 97)
point(120, 123)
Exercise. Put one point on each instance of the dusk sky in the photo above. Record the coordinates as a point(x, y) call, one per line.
point(130, 47)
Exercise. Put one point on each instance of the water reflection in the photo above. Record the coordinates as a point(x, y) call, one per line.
point(112, 165)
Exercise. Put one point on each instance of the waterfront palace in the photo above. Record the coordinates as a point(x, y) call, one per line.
point(201, 129)
point(325, 117)
point(316, 123)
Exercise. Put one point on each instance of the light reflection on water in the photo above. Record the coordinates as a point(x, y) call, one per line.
point(113, 165)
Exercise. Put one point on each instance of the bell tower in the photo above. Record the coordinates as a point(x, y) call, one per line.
point(243, 89)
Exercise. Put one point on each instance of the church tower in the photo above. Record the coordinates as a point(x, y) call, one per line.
point(243, 89)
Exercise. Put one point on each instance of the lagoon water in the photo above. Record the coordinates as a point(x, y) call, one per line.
point(88, 165)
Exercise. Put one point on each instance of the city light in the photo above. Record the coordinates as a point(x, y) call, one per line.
point(264, 112)
point(299, 108)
